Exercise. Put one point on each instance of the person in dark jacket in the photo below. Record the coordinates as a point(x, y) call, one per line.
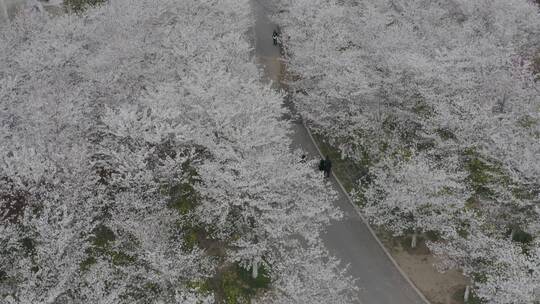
point(275, 37)
point(321, 165)
point(327, 166)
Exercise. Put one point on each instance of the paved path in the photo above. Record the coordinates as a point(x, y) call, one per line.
point(379, 280)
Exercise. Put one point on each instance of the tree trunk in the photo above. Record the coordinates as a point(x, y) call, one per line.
point(466, 294)
point(414, 239)
point(255, 268)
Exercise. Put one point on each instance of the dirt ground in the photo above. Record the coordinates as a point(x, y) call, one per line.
point(418, 264)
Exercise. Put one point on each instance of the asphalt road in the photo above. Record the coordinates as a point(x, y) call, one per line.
point(349, 239)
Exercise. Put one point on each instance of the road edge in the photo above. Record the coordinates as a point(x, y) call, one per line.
point(403, 274)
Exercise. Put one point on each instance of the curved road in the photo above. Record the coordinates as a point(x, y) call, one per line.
point(379, 280)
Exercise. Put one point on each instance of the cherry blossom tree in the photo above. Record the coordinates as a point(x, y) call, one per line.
point(415, 196)
point(503, 271)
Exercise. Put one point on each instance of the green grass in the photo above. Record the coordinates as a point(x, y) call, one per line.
point(480, 277)
point(152, 288)
point(87, 263)
point(523, 237)
point(233, 290)
point(261, 281)
point(479, 175)
point(433, 235)
point(422, 108)
point(404, 153)
point(235, 284)
point(458, 295)
point(483, 173)
point(425, 145)
point(102, 240)
point(28, 245)
point(201, 286)
point(347, 170)
point(183, 197)
point(522, 192)
point(389, 124)
point(80, 5)
point(102, 236)
point(463, 229)
point(445, 134)
point(191, 239)
point(192, 236)
point(238, 286)
point(121, 259)
point(474, 300)
point(527, 122)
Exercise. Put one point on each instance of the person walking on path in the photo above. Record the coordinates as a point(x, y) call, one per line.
point(275, 37)
point(327, 166)
point(321, 165)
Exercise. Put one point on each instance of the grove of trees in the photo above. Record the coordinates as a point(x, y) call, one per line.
point(441, 100)
point(142, 161)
